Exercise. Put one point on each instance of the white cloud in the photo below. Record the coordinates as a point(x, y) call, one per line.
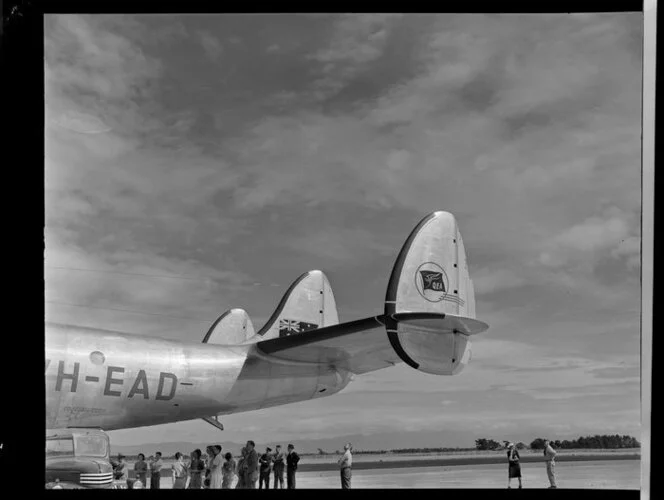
point(630, 249)
point(211, 44)
point(585, 240)
point(81, 122)
point(358, 40)
point(594, 234)
point(96, 60)
point(331, 244)
point(488, 281)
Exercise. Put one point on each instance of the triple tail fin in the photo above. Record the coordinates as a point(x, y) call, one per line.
point(429, 312)
point(307, 305)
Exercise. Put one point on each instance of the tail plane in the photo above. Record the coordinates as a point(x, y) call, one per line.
point(428, 319)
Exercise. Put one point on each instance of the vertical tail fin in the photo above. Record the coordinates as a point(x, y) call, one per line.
point(431, 272)
point(307, 305)
point(231, 328)
point(431, 277)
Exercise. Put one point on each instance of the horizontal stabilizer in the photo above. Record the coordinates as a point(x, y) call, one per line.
point(358, 346)
point(362, 346)
point(441, 323)
point(428, 320)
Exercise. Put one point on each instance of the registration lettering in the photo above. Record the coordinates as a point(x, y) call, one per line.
point(68, 378)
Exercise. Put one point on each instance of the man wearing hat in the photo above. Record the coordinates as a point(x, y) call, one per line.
point(266, 466)
point(514, 468)
point(291, 466)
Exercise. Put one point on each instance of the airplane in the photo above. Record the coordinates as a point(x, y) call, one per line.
point(112, 380)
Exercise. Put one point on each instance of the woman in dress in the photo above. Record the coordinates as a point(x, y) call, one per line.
point(514, 469)
point(216, 473)
point(141, 469)
point(228, 471)
point(196, 470)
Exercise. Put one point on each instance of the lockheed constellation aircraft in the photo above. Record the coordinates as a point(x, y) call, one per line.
point(99, 378)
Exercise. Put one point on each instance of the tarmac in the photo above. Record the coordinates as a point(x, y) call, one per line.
point(604, 474)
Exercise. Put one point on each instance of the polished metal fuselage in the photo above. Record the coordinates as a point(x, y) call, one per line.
point(111, 380)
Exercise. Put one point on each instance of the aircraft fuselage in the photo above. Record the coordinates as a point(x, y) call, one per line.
point(110, 380)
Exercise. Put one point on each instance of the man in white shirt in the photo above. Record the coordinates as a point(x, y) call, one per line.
point(155, 468)
point(345, 464)
point(550, 456)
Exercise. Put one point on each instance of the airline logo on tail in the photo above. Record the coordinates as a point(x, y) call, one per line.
point(431, 282)
point(289, 327)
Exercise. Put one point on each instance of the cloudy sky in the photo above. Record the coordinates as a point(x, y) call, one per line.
point(198, 163)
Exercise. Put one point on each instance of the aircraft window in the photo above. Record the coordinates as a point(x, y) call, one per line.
point(90, 446)
point(97, 357)
point(59, 446)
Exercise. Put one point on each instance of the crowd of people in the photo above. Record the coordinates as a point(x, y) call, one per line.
point(216, 470)
point(220, 471)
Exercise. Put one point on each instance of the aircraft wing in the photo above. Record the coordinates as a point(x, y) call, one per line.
point(364, 345)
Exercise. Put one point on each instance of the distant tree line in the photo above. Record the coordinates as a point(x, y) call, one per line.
point(428, 450)
point(588, 442)
point(604, 441)
point(490, 444)
point(395, 451)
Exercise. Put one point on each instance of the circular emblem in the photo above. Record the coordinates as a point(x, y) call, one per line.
point(431, 281)
point(97, 358)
